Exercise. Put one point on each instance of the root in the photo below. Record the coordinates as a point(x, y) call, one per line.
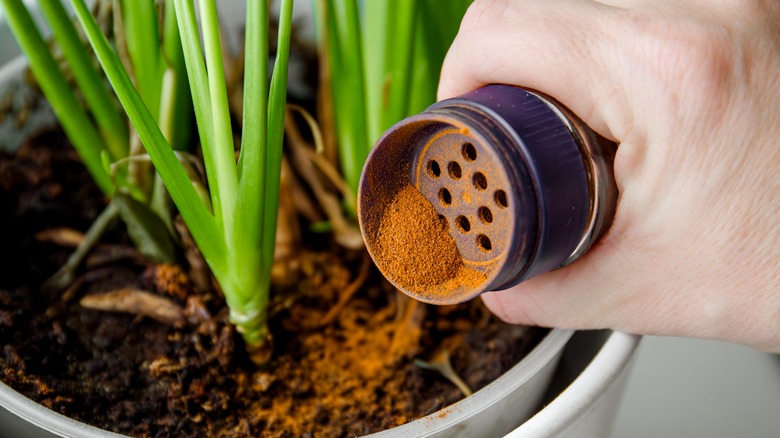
point(198, 271)
point(409, 317)
point(346, 295)
point(288, 234)
point(441, 364)
point(345, 232)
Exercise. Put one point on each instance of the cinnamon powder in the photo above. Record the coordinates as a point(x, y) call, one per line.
point(414, 249)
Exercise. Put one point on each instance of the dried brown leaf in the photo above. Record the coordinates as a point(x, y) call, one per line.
point(137, 302)
point(64, 236)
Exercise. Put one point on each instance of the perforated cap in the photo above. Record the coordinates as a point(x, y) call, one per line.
point(502, 169)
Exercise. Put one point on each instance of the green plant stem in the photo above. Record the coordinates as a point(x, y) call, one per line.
point(67, 272)
point(175, 100)
point(348, 87)
point(112, 125)
point(378, 19)
point(425, 77)
point(249, 219)
point(174, 115)
point(220, 115)
point(255, 95)
point(196, 74)
point(276, 113)
point(168, 108)
point(434, 33)
point(73, 119)
point(238, 241)
point(170, 125)
point(204, 228)
point(158, 201)
point(143, 45)
point(384, 71)
point(250, 297)
point(401, 65)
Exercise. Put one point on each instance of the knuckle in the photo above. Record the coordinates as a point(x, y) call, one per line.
point(750, 8)
point(692, 58)
point(475, 53)
point(482, 13)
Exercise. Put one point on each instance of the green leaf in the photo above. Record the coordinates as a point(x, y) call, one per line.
point(348, 87)
point(176, 113)
point(249, 219)
point(74, 120)
point(378, 26)
point(434, 34)
point(384, 70)
point(401, 64)
point(142, 36)
point(112, 124)
point(276, 110)
point(214, 157)
point(227, 179)
point(202, 225)
point(321, 227)
point(148, 232)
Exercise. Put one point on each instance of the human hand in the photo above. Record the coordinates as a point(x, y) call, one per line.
point(691, 92)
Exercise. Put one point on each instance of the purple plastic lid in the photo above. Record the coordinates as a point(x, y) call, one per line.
point(551, 190)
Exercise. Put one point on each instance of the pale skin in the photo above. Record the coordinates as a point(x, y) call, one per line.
point(691, 92)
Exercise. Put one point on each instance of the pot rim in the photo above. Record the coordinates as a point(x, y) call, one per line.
point(545, 351)
point(612, 361)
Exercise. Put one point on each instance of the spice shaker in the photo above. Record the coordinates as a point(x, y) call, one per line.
point(521, 185)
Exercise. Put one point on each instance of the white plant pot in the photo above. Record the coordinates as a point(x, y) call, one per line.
point(586, 406)
point(491, 412)
point(581, 402)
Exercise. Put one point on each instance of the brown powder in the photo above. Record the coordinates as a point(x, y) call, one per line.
point(414, 249)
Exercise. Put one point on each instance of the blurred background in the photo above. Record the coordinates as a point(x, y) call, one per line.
point(696, 388)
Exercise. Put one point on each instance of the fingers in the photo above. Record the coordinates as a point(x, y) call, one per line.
point(564, 48)
point(635, 280)
point(678, 84)
point(593, 293)
point(572, 297)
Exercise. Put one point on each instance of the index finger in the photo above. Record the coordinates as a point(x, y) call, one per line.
point(562, 48)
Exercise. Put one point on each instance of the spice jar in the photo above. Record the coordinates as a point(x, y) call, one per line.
point(516, 183)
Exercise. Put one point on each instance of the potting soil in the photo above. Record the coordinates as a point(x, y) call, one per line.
point(137, 376)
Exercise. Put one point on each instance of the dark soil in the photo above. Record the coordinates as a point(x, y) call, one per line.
point(137, 376)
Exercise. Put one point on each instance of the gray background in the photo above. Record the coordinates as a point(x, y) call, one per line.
point(696, 388)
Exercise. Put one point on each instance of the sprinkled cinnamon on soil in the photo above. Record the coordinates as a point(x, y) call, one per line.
point(139, 377)
point(414, 249)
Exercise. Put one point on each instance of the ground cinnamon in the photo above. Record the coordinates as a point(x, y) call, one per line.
point(414, 249)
